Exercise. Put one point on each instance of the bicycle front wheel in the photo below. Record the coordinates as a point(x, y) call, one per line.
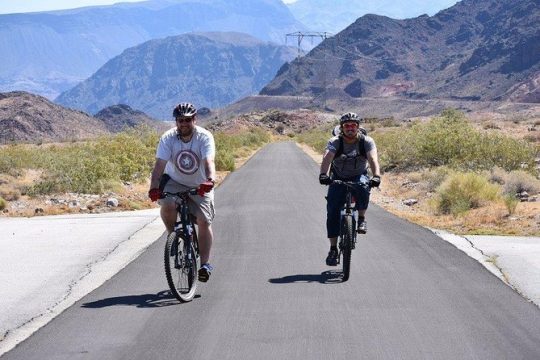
point(181, 267)
point(347, 238)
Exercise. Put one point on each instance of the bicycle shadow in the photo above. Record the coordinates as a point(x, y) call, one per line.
point(161, 299)
point(326, 277)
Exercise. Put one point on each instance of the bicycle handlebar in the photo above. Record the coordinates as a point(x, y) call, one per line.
point(192, 191)
point(350, 183)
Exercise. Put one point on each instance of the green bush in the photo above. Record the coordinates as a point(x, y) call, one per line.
point(86, 167)
point(464, 191)
point(511, 202)
point(231, 146)
point(3, 204)
point(450, 140)
point(224, 161)
point(317, 138)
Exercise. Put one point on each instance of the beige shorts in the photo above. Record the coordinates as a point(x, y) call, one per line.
point(200, 206)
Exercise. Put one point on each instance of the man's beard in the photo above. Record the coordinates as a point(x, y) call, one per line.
point(184, 132)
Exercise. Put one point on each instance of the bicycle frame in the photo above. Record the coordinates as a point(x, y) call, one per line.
point(347, 236)
point(348, 209)
point(184, 226)
point(181, 264)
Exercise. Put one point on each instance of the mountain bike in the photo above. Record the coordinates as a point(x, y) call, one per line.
point(182, 250)
point(347, 236)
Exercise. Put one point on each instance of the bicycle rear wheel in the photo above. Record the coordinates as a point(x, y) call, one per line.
point(347, 244)
point(180, 267)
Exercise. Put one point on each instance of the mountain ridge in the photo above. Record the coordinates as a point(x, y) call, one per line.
point(475, 50)
point(49, 52)
point(208, 69)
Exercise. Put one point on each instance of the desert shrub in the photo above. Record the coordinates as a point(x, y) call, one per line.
point(3, 203)
point(10, 193)
point(497, 175)
point(97, 166)
point(519, 181)
point(231, 146)
point(464, 191)
point(433, 178)
point(317, 138)
point(511, 202)
point(450, 140)
point(396, 149)
point(442, 141)
point(490, 150)
point(224, 161)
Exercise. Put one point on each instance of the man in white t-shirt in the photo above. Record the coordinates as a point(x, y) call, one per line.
point(184, 160)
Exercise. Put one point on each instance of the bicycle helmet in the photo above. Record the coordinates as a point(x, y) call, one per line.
point(184, 110)
point(350, 116)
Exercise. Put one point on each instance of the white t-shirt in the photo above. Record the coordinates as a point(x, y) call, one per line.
point(185, 160)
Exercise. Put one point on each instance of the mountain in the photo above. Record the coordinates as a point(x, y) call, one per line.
point(25, 117)
point(475, 50)
point(49, 52)
point(117, 118)
point(207, 69)
point(334, 16)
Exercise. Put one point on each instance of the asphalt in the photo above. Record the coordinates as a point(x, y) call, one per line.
point(48, 263)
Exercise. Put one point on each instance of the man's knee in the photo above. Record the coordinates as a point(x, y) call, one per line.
point(168, 209)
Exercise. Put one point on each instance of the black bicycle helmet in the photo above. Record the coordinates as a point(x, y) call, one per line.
point(350, 116)
point(184, 110)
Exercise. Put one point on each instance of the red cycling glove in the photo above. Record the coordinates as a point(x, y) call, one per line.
point(154, 194)
point(205, 187)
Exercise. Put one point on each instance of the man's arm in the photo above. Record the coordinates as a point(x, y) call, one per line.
point(326, 161)
point(210, 168)
point(157, 172)
point(373, 160)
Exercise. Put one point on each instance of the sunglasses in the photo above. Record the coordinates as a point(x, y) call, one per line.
point(184, 120)
point(350, 125)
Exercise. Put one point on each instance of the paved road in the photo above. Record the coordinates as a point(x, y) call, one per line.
point(411, 294)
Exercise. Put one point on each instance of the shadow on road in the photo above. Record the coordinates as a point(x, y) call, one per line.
point(326, 277)
point(161, 299)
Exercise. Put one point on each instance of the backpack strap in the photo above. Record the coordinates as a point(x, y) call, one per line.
point(361, 146)
point(339, 150)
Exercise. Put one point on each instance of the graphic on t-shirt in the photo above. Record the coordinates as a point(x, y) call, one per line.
point(187, 162)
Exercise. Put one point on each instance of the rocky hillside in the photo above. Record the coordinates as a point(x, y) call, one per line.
point(117, 118)
point(208, 69)
point(30, 118)
point(475, 50)
point(49, 52)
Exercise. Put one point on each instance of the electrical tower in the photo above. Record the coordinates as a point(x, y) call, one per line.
point(299, 35)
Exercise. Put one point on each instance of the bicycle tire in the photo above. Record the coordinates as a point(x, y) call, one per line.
point(347, 234)
point(182, 274)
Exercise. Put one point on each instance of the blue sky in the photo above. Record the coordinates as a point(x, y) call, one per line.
point(17, 6)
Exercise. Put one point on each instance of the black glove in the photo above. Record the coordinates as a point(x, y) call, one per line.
point(324, 179)
point(375, 181)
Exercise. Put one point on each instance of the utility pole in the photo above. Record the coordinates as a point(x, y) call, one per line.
point(299, 35)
